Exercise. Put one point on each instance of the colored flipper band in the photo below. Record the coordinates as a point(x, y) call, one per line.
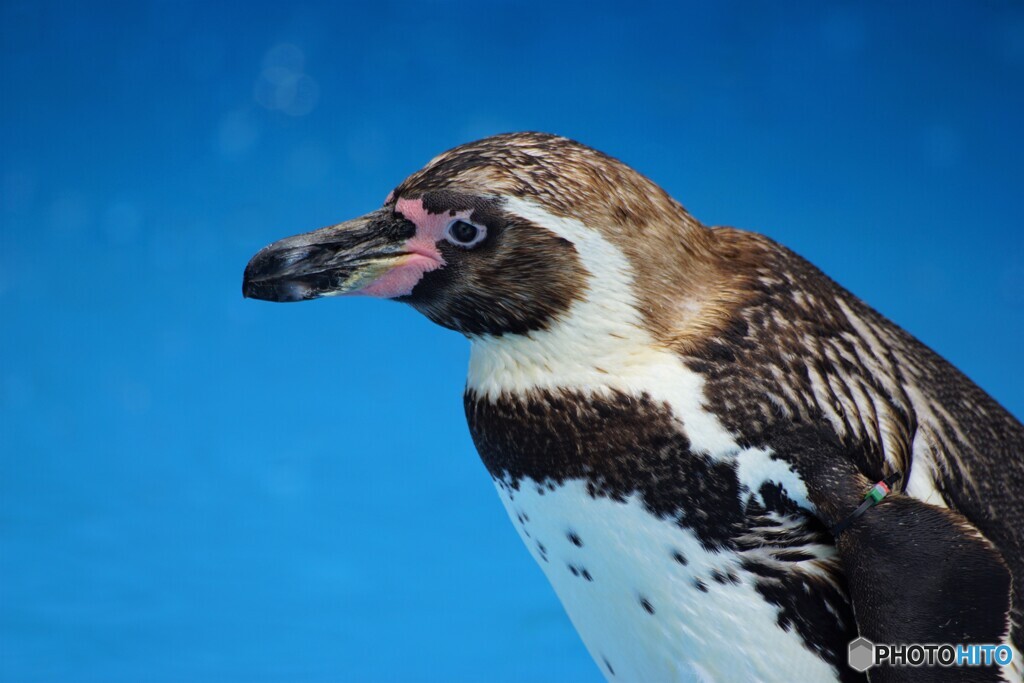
point(871, 498)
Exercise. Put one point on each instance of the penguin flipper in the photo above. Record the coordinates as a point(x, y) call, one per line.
point(916, 572)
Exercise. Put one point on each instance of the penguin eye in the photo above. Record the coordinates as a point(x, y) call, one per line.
point(465, 234)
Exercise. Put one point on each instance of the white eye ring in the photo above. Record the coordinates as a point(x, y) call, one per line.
point(464, 234)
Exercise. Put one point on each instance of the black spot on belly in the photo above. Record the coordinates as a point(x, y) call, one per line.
point(646, 604)
point(608, 665)
point(724, 577)
point(700, 585)
point(579, 571)
point(680, 558)
point(574, 539)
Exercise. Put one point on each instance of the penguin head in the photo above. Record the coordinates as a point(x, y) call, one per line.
point(496, 237)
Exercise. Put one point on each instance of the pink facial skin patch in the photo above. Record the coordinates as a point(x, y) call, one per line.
point(422, 254)
point(401, 278)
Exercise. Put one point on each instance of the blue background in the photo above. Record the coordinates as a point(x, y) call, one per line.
point(197, 487)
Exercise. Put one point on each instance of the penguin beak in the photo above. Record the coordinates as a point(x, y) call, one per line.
point(340, 259)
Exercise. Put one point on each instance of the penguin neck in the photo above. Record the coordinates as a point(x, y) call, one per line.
point(598, 356)
point(587, 351)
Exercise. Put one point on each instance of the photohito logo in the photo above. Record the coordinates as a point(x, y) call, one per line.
point(864, 654)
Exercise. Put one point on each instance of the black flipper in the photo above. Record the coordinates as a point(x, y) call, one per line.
point(917, 573)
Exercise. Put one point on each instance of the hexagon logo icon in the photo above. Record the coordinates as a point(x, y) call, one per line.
point(862, 654)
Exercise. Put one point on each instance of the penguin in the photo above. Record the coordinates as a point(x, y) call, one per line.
point(685, 423)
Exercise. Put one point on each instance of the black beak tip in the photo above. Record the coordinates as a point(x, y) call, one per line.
point(262, 280)
point(251, 288)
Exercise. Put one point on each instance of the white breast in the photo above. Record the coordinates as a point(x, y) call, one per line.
point(617, 570)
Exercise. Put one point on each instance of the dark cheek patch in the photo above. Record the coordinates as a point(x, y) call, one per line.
point(520, 279)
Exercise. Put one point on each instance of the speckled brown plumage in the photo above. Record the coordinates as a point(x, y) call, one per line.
point(881, 395)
